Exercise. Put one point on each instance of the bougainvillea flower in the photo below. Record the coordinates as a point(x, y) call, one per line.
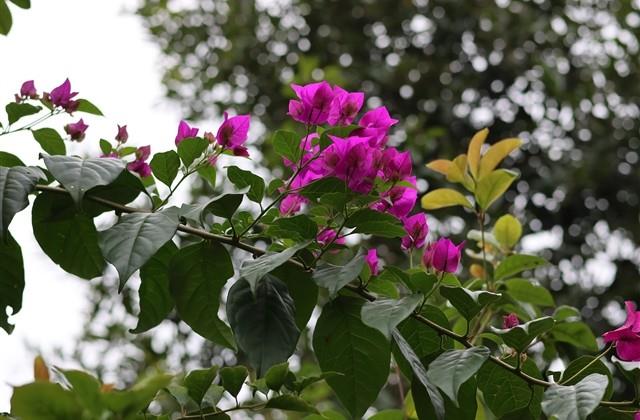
point(417, 230)
point(313, 104)
point(354, 161)
point(122, 135)
point(510, 321)
point(291, 204)
point(140, 166)
point(62, 96)
point(76, 130)
point(233, 131)
point(395, 165)
point(443, 255)
point(375, 125)
point(626, 337)
point(399, 200)
point(28, 90)
point(185, 131)
point(373, 262)
point(327, 235)
point(344, 106)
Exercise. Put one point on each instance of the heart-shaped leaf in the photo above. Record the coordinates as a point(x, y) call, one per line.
point(468, 302)
point(385, 314)
point(254, 270)
point(335, 277)
point(520, 336)
point(15, 185)
point(577, 401)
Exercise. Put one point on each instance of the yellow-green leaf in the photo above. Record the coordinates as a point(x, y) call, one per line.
point(457, 170)
point(491, 187)
point(440, 165)
point(444, 197)
point(475, 146)
point(496, 154)
point(507, 231)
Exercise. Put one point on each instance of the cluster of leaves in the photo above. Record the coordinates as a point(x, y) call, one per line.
point(443, 332)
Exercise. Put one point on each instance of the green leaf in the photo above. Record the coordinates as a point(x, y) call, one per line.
point(466, 396)
point(274, 186)
point(335, 277)
point(208, 173)
point(518, 263)
point(575, 333)
point(253, 270)
point(566, 313)
point(50, 141)
point(15, 110)
point(298, 228)
point(198, 273)
point(44, 400)
point(191, 148)
point(66, 235)
point(264, 324)
point(577, 401)
point(86, 389)
point(389, 414)
point(583, 366)
point(165, 166)
point(507, 231)
point(8, 160)
point(87, 107)
point(492, 186)
point(287, 145)
point(291, 403)
point(302, 290)
point(105, 146)
point(361, 354)
point(198, 382)
point(444, 197)
point(129, 403)
point(520, 336)
point(11, 280)
point(455, 367)
point(419, 281)
point(468, 302)
point(125, 189)
point(224, 205)
point(232, 378)
point(155, 298)
point(525, 291)
point(385, 314)
point(79, 175)
point(503, 391)
point(376, 223)
point(420, 373)
point(15, 185)
point(131, 242)
point(276, 376)
point(242, 179)
point(5, 18)
point(319, 188)
point(383, 287)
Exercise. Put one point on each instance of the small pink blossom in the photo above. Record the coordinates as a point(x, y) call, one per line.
point(395, 165)
point(344, 106)
point(233, 131)
point(185, 131)
point(354, 161)
point(372, 261)
point(627, 337)
point(510, 321)
point(327, 235)
point(417, 230)
point(313, 104)
point(61, 96)
point(28, 90)
point(443, 255)
point(140, 166)
point(122, 136)
point(375, 125)
point(291, 204)
point(76, 130)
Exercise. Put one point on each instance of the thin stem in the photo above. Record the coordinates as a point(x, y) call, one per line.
point(31, 124)
point(598, 357)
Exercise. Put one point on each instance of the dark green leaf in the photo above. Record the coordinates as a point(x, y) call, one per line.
point(254, 270)
point(276, 376)
point(125, 189)
point(129, 403)
point(575, 333)
point(86, 106)
point(466, 396)
point(131, 242)
point(198, 382)
point(455, 367)
point(44, 400)
point(302, 290)
point(468, 302)
point(50, 141)
point(515, 264)
point(191, 148)
point(360, 353)
point(420, 373)
point(321, 187)
point(242, 179)
point(66, 235)
point(15, 111)
point(577, 370)
point(503, 391)
point(105, 146)
point(525, 291)
point(11, 280)
point(383, 287)
point(208, 173)
point(198, 273)
point(79, 175)
point(419, 281)
point(291, 403)
point(25, 4)
point(385, 314)
point(264, 324)
point(15, 185)
point(233, 378)
point(335, 277)
point(287, 145)
point(376, 223)
point(8, 160)
point(86, 389)
point(298, 228)
point(224, 205)
point(5, 18)
point(274, 185)
point(575, 402)
point(520, 336)
point(155, 298)
point(165, 166)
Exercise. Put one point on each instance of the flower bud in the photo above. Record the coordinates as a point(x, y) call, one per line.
point(76, 130)
point(443, 256)
point(510, 321)
point(122, 135)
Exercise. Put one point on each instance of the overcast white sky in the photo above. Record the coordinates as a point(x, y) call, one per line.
point(106, 54)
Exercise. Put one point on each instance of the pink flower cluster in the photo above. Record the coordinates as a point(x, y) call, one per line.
point(231, 135)
point(627, 337)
